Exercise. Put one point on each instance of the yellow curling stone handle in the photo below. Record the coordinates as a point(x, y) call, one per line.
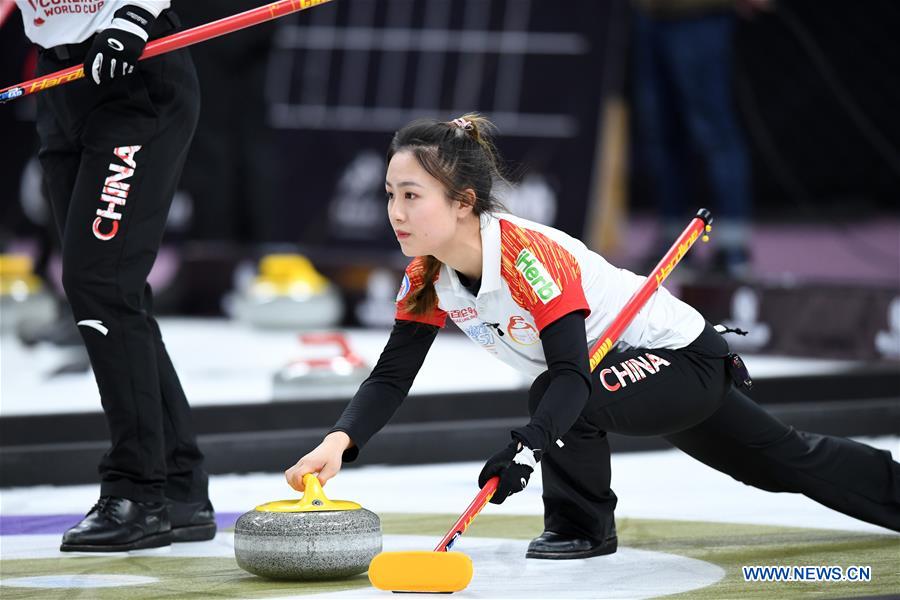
point(313, 500)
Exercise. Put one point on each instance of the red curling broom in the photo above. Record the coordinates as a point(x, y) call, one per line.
point(176, 41)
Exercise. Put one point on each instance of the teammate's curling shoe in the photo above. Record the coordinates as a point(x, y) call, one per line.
point(192, 521)
point(118, 524)
point(556, 546)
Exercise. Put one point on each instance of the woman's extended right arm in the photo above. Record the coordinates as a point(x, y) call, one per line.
point(374, 404)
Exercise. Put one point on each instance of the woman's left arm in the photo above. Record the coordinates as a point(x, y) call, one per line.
point(566, 353)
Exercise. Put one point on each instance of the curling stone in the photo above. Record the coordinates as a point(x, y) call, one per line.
point(287, 293)
point(23, 300)
point(335, 366)
point(306, 539)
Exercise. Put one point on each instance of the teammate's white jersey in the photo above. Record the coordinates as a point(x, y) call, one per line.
point(532, 275)
point(50, 23)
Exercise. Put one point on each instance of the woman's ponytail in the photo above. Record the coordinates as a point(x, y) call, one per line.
point(424, 299)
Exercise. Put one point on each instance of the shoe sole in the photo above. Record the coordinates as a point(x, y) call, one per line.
point(157, 540)
point(194, 533)
point(609, 546)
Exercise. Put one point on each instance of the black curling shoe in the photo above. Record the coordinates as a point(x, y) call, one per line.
point(556, 546)
point(192, 521)
point(117, 524)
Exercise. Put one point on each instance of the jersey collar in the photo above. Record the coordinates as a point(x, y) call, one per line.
point(490, 253)
point(490, 262)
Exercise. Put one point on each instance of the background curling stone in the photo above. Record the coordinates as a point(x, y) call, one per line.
point(23, 299)
point(310, 538)
point(288, 293)
point(335, 367)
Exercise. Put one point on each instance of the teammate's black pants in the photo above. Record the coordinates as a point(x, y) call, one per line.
point(687, 397)
point(112, 156)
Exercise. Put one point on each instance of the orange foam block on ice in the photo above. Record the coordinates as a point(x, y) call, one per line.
point(421, 571)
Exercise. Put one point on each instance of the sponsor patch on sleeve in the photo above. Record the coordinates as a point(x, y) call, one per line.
point(404, 288)
point(537, 276)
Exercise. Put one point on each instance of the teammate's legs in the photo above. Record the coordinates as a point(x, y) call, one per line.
point(59, 157)
point(186, 480)
point(135, 135)
point(186, 489)
point(104, 281)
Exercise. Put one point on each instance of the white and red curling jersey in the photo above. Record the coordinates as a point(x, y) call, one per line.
point(50, 23)
point(532, 275)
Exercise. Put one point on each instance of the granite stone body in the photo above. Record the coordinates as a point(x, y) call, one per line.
point(307, 545)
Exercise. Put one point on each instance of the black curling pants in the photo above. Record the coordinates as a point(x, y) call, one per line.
point(687, 397)
point(112, 156)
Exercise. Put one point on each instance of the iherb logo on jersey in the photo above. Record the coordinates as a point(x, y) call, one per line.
point(537, 276)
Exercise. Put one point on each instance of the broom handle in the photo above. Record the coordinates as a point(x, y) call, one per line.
point(698, 227)
point(467, 517)
point(176, 41)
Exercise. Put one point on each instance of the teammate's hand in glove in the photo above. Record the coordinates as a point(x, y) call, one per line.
point(514, 464)
point(115, 50)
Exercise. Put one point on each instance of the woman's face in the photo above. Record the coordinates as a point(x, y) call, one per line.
point(423, 218)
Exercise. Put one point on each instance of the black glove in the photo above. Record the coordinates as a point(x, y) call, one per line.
point(115, 50)
point(514, 464)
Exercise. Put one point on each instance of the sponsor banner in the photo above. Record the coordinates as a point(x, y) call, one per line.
point(335, 119)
